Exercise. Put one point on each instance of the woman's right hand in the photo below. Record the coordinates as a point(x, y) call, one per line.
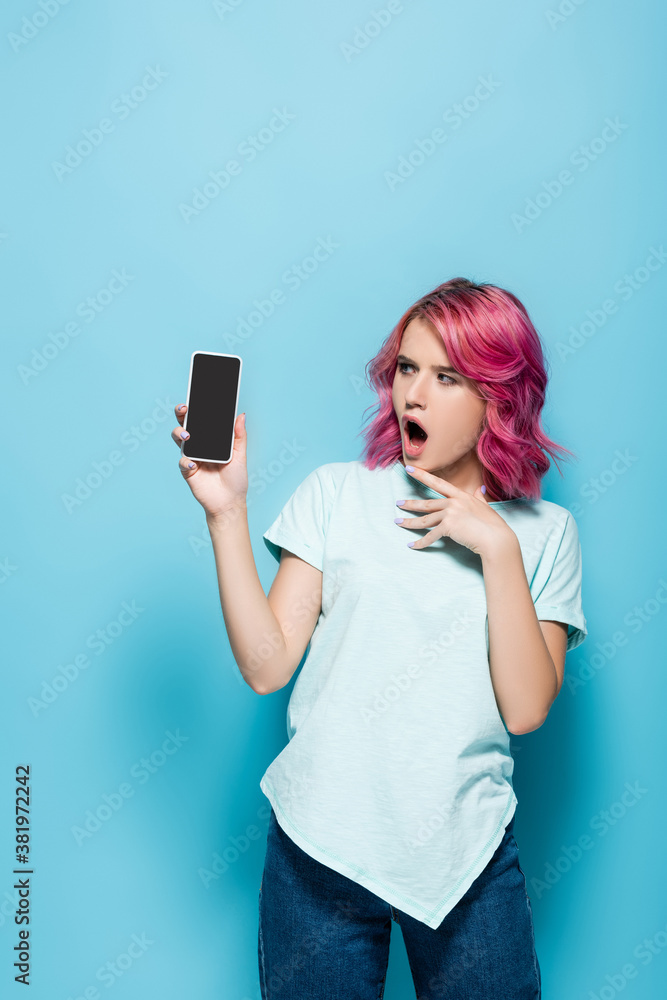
point(217, 487)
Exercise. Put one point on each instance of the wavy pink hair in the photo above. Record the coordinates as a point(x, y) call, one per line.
point(491, 340)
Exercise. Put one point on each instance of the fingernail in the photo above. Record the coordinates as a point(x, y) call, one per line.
point(398, 520)
point(409, 468)
point(191, 465)
point(410, 544)
point(483, 489)
point(399, 503)
point(184, 435)
point(182, 406)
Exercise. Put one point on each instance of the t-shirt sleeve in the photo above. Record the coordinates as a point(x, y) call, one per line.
point(301, 525)
point(556, 589)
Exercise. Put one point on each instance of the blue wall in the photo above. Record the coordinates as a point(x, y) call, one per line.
point(519, 143)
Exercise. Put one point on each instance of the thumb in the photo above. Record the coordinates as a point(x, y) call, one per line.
point(239, 430)
point(479, 494)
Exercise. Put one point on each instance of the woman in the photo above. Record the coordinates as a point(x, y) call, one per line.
point(433, 636)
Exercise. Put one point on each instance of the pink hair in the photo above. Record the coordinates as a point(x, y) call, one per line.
point(491, 340)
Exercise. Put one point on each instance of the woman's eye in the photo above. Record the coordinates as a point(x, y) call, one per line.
point(450, 381)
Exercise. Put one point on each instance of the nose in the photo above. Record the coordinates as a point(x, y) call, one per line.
point(415, 394)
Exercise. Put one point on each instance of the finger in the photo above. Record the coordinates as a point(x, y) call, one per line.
point(432, 536)
point(184, 465)
point(427, 521)
point(421, 503)
point(479, 495)
point(435, 482)
point(179, 435)
point(180, 412)
point(240, 442)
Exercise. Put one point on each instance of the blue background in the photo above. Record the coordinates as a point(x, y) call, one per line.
point(82, 383)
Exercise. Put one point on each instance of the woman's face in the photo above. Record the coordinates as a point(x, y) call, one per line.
point(443, 402)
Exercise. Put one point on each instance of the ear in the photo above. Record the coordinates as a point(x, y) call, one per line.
point(480, 496)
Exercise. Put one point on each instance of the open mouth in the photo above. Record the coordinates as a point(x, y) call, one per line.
point(415, 436)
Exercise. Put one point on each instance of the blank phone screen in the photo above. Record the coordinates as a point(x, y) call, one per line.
point(214, 385)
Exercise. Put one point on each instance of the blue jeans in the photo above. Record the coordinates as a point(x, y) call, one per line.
point(323, 936)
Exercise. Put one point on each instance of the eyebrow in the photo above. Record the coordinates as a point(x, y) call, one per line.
point(434, 368)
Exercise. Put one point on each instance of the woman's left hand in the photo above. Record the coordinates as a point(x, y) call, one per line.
point(464, 517)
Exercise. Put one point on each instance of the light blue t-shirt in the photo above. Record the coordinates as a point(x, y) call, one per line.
point(398, 771)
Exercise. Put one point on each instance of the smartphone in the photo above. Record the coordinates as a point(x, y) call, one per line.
point(213, 392)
